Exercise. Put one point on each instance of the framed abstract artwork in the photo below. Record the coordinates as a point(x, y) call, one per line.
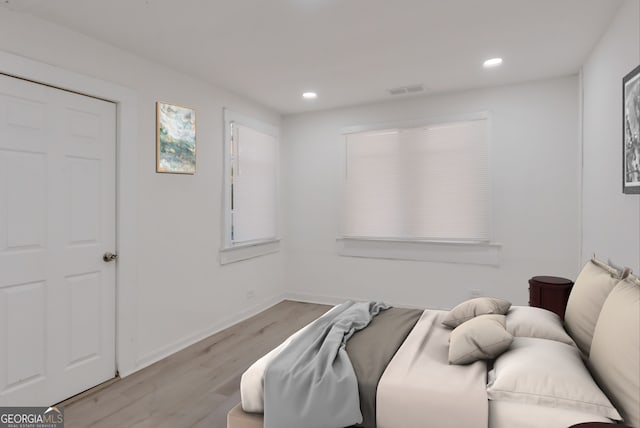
point(631, 132)
point(175, 139)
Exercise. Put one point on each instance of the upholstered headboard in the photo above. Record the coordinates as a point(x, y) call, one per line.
point(603, 317)
point(614, 358)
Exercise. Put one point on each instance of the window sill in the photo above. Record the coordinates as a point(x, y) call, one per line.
point(478, 253)
point(248, 251)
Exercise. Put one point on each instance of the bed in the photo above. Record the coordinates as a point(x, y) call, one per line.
point(483, 364)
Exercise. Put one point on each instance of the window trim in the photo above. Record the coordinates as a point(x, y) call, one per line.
point(229, 251)
point(247, 251)
point(463, 252)
point(451, 251)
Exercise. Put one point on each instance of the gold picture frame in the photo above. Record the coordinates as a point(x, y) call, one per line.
point(175, 139)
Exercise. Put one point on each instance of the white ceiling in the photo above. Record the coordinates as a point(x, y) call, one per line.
point(349, 51)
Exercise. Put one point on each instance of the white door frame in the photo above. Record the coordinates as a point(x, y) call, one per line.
point(126, 186)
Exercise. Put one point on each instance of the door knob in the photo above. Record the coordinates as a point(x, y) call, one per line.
point(109, 257)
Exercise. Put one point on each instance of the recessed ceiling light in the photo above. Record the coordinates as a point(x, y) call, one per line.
point(493, 62)
point(309, 95)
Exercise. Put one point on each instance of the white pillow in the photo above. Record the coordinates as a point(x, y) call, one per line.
point(474, 307)
point(547, 373)
point(481, 338)
point(525, 321)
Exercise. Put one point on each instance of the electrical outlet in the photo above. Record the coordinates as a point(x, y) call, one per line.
point(476, 293)
point(251, 294)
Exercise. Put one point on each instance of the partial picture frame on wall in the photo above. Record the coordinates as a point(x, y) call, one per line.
point(175, 139)
point(631, 132)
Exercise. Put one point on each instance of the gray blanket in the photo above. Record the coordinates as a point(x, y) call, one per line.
point(312, 383)
point(370, 351)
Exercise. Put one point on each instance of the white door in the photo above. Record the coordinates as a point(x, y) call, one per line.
point(57, 218)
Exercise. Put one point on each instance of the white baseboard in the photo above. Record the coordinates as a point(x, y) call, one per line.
point(161, 353)
point(315, 298)
point(333, 300)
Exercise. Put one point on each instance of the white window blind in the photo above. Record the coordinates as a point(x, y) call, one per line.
point(253, 194)
point(426, 183)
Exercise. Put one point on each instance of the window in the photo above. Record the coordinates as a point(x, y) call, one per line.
point(420, 183)
point(251, 165)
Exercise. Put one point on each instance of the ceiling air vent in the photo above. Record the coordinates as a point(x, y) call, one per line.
point(410, 89)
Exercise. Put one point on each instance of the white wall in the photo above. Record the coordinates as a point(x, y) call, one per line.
point(611, 219)
point(182, 293)
point(535, 202)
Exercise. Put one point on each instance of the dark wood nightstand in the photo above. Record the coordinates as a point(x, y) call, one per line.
point(550, 292)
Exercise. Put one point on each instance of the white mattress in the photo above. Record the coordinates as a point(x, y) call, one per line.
point(420, 385)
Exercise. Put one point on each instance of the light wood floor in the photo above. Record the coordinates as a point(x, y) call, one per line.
point(197, 386)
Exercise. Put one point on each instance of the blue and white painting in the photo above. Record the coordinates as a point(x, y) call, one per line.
point(176, 145)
